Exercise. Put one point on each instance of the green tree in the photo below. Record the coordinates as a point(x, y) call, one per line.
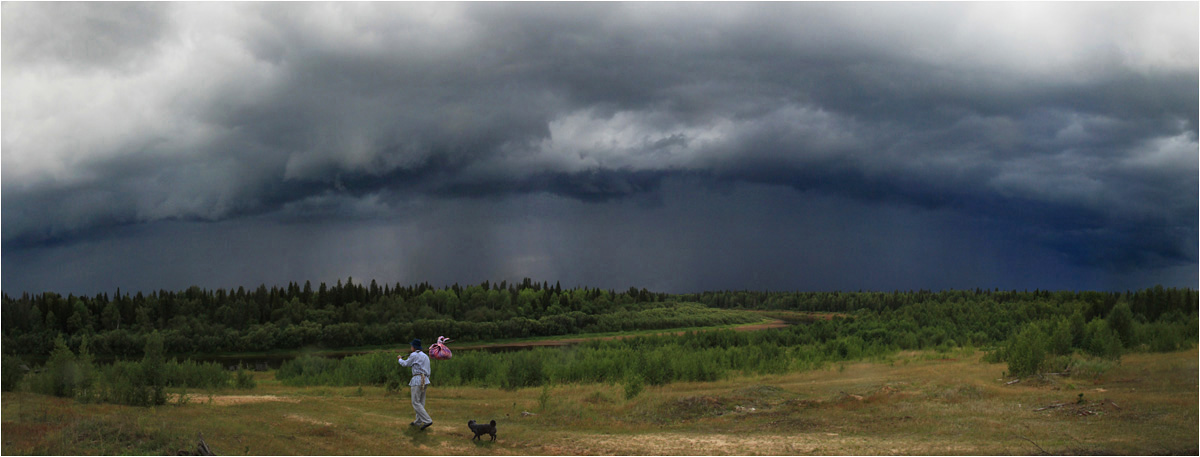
point(1060, 337)
point(12, 372)
point(1026, 351)
point(61, 372)
point(86, 371)
point(1120, 319)
point(634, 384)
point(1078, 325)
point(52, 321)
point(37, 321)
point(143, 319)
point(154, 368)
point(110, 318)
point(1101, 340)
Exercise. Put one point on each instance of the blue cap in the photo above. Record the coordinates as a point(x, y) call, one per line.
point(416, 342)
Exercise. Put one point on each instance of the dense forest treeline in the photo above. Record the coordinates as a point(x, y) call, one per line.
point(352, 314)
point(345, 315)
point(1071, 333)
point(1066, 333)
point(1149, 303)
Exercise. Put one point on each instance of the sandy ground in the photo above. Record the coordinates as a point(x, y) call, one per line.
point(228, 400)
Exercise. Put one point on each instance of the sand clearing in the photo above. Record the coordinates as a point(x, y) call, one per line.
point(228, 400)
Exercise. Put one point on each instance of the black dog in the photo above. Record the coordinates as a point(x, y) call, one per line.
point(481, 429)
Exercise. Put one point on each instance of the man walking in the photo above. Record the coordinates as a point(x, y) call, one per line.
point(420, 371)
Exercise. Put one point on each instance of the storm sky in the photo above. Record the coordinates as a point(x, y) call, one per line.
point(673, 146)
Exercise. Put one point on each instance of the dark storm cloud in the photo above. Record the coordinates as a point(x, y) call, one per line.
point(1069, 125)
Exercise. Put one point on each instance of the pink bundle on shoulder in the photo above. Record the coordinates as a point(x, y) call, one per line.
point(439, 350)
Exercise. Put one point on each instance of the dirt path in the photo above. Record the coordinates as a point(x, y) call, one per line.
point(773, 323)
point(228, 400)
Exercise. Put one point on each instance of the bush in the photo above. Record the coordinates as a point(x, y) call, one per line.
point(244, 380)
point(141, 383)
point(61, 376)
point(11, 371)
point(525, 369)
point(1090, 368)
point(208, 375)
point(307, 370)
point(1026, 352)
point(1161, 336)
point(544, 398)
point(634, 384)
point(86, 369)
point(1060, 340)
point(154, 369)
point(1120, 319)
point(377, 368)
point(1101, 341)
point(125, 383)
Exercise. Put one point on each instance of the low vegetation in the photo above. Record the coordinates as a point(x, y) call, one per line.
point(912, 402)
point(136, 383)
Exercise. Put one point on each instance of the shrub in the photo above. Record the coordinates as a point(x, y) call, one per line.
point(306, 369)
point(1163, 336)
point(86, 372)
point(207, 375)
point(124, 383)
point(154, 369)
point(139, 383)
point(243, 380)
point(1078, 326)
point(61, 374)
point(1026, 351)
point(374, 368)
point(1090, 368)
point(544, 398)
point(1060, 340)
point(1120, 319)
point(634, 384)
point(1101, 341)
point(11, 371)
point(525, 369)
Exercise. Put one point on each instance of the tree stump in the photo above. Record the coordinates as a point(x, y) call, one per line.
point(201, 447)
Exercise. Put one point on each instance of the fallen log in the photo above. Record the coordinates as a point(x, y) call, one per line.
point(1012, 382)
point(1056, 405)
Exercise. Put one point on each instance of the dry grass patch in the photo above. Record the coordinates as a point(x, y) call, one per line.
point(228, 400)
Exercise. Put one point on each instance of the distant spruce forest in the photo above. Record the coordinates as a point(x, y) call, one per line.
point(350, 314)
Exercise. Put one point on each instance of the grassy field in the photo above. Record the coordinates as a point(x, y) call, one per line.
point(914, 403)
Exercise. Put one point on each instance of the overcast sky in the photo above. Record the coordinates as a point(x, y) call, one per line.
point(672, 146)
